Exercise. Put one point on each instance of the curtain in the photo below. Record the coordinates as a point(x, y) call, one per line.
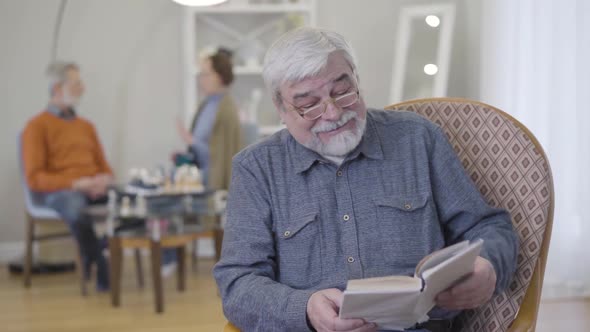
point(534, 65)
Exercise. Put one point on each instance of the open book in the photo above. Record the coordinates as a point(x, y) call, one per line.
point(399, 302)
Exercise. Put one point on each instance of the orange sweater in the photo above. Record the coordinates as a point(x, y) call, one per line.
point(56, 152)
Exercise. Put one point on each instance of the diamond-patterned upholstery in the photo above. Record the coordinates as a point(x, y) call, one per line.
point(508, 165)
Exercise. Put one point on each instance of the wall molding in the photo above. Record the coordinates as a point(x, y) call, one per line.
point(564, 289)
point(14, 251)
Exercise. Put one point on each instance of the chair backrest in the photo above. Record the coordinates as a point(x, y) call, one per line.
point(508, 165)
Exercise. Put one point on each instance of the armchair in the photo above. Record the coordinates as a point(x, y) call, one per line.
point(508, 165)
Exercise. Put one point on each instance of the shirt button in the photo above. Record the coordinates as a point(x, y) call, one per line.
point(407, 206)
point(346, 217)
point(339, 173)
point(287, 233)
point(351, 259)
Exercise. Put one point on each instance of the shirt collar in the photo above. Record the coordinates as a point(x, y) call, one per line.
point(303, 158)
point(57, 112)
point(216, 97)
point(370, 147)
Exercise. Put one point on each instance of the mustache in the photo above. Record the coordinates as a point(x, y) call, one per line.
point(333, 125)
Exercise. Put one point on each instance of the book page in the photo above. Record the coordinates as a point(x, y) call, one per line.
point(382, 284)
point(439, 256)
point(389, 309)
point(458, 263)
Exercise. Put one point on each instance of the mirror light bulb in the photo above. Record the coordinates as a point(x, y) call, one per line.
point(430, 69)
point(432, 20)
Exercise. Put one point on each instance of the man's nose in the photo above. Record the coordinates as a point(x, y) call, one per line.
point(332, 112)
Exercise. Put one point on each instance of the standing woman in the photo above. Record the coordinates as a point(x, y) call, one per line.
point(215, 134)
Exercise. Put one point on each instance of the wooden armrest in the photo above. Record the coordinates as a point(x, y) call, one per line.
point(526, 318)
point(229, 327)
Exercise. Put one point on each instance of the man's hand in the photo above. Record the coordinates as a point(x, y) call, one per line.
point(101, 184)
point(472, 291)
point(322, 312)
point(83, 184)
point(186, 137)
point(93, 187)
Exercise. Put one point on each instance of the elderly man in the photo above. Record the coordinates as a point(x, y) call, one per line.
point(65, 163)
point(346, 193)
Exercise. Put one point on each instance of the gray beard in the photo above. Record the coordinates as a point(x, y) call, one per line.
point(342, 144)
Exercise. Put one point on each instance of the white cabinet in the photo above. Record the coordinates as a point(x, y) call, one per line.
point(247, 27)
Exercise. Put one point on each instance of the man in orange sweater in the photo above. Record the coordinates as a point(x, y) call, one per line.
point(64, 163)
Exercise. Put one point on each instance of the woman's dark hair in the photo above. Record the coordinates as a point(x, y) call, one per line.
point(222, 65)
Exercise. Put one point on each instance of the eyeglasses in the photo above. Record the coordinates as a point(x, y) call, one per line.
point(314, 112)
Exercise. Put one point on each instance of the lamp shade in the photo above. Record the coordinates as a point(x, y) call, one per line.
point(195, 3)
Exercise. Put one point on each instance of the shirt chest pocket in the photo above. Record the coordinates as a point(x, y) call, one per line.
point(402, 203)
point(405, 222)
point(299, 243)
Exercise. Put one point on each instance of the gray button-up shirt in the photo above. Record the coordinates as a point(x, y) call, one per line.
point(297, 223)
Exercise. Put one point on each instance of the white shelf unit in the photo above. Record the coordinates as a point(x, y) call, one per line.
point(247, 27)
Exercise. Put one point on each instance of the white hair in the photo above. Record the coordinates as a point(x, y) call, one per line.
point(57, 73)
point(302, 53)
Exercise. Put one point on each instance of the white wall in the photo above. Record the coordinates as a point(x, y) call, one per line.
point(130, 54)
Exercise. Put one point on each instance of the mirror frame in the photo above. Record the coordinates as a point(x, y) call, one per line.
point(407, 15)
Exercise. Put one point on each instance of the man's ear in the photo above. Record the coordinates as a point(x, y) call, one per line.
point(278, 102)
